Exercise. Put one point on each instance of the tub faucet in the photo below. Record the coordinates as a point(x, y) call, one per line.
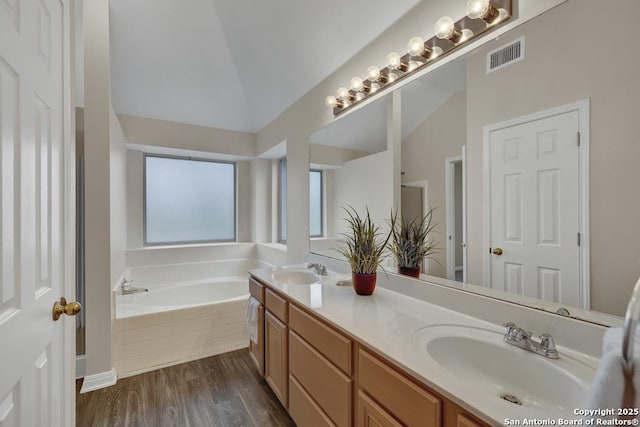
point(521, 338)
point(126, 288)
point(320, 269)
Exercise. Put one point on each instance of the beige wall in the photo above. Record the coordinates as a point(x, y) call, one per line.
point(166, 134)
point(568, 58)
point(97, 145)
point(424, 152)
point(118, 199)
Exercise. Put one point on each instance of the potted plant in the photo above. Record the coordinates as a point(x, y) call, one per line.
point(412, 242)
point(364, 248)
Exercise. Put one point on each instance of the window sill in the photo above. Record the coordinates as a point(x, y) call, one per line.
point(190, 245)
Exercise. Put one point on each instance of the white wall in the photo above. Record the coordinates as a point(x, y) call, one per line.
point(361, 183)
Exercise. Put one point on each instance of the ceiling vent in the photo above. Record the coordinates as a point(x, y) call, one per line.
point(505, 55)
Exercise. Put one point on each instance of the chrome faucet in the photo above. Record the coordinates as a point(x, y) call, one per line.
point(126, 288)
point(320, 269)
point(521, 338)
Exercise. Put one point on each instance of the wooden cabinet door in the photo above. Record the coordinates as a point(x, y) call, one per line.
point(276, 367)
point(372, 415)
point(256, 350)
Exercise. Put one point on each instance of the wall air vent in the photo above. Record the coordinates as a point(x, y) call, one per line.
point(505, 55)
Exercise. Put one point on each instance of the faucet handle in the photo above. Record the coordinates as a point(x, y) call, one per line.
point(546, 342)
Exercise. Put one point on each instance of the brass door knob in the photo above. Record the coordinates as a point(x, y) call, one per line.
point(62, 307)
point(497, 251)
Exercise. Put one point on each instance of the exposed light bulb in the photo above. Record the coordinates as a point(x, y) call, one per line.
point(357, 84)
point(483, 9)
point(477, 9)
point(331, 101)
point(445, 27)
point(360, 96)
point(375, 87)
point(392, 77)
point(413, 65)
point(343, 93)
point(373, 73)
point(416, 46)
point(393, 61)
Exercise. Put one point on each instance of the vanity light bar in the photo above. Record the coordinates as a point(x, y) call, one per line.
point(481, 17)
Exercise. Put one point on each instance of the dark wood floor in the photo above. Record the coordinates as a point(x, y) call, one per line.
point(223, 390)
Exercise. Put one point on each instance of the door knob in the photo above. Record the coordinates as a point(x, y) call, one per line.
point(62, 307)
point(497, 251)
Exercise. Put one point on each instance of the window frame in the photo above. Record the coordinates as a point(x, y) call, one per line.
point(145, 242)
point(282, 167)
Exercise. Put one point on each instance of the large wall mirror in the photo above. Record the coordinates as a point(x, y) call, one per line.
point(526, 209)
point(351, 154)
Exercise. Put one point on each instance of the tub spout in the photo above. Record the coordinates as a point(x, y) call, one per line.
point(126, 288)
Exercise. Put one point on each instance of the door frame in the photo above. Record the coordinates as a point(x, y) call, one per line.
point(450, 214)
point(69, 206)
point(582, 107)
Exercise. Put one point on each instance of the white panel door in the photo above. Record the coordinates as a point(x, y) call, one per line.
point(32, 251)
point(535, 209)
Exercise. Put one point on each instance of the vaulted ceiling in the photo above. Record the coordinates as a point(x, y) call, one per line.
point(234, 64)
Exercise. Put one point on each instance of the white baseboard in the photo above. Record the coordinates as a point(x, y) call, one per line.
point(81, 366)
point(97, 381)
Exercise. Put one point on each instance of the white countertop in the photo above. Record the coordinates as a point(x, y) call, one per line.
point(386, 321)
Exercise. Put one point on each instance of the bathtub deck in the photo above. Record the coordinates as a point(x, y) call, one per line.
point(223, 390)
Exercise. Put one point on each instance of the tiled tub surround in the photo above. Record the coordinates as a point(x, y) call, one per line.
point(192, 310)
point(385, 321)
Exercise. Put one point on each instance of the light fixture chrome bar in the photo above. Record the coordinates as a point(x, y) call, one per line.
point(482, 17)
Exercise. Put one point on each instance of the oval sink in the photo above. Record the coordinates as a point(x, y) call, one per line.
point(482, 360)
point(295, 276)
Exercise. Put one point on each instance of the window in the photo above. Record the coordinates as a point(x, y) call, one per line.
point(315, 202)
point(188, 200)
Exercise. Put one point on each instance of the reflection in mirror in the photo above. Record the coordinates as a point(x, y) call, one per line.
point(524, 212)
point(352, 154)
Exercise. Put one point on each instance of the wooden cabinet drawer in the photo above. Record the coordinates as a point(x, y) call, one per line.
point(409, 403)
point(325, 383)
point(256, 350)
point(256, 289)
point(466, 421)
point(370, 414)
point(303, 409)
point(331, 344)
point(276, 305)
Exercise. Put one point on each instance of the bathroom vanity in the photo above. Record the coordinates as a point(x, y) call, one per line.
point(334, 358)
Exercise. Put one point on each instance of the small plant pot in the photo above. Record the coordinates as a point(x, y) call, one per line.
point(409, 271)
point(364, 284)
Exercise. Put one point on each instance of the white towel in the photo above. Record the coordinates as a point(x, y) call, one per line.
point(252, 319)
point(611, 387)
point(612, 341)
